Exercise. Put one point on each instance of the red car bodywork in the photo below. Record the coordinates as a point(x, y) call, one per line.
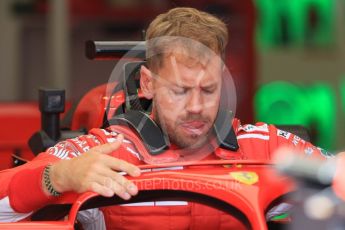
point(245, 189)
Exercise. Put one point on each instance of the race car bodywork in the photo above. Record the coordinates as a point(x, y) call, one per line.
point(244, 189)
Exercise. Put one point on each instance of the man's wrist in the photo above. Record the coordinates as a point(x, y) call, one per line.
point(49, 188)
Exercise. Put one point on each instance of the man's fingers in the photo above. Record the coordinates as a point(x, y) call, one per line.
point(128, 185)
point(102, 190)
point(104, 169)
point(121, 165)
point(120, 190)
point(109, 147)
point(109, 188)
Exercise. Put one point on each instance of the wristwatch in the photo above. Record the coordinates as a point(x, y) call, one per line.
point(47, 182)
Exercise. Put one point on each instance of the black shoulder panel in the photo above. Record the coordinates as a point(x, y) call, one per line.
point(154, 139)
point(225, 133)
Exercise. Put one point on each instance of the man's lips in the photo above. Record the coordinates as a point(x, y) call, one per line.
point(194, 127)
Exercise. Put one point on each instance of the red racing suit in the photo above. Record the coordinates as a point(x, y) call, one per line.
point(21, 188)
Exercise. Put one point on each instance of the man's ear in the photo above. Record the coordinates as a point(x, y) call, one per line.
point(146, 82)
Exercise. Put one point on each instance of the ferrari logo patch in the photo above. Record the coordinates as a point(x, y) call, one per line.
point(248, 178)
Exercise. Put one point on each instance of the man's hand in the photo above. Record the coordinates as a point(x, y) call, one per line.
point(95, 171)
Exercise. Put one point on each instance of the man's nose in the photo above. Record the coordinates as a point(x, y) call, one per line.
point(194, 103)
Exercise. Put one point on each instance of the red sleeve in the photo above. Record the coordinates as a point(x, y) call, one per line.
point(25, 189)
point(260, 141)
point(280, 138)
point(21, 187)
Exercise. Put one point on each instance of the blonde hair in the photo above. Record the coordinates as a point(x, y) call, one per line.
point(184, 22)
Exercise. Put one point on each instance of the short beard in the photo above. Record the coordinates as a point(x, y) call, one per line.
point(180, 142)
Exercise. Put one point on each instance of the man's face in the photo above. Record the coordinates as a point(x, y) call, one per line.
point(186, 95)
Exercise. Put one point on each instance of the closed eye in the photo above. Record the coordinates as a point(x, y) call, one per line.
point(209, 90)
point(180, 90)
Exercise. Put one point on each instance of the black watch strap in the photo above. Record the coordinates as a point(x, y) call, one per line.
point(47, 182)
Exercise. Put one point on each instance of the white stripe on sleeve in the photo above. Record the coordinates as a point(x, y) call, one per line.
point(257, 136)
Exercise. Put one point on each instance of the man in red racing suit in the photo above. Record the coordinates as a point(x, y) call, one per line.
point(186, 94)
point(21, 190)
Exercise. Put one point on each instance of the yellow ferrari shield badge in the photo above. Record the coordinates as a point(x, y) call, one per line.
point(248, 178)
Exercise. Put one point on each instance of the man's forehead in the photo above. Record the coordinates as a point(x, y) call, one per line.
point(183, 57)
point(185, 70)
